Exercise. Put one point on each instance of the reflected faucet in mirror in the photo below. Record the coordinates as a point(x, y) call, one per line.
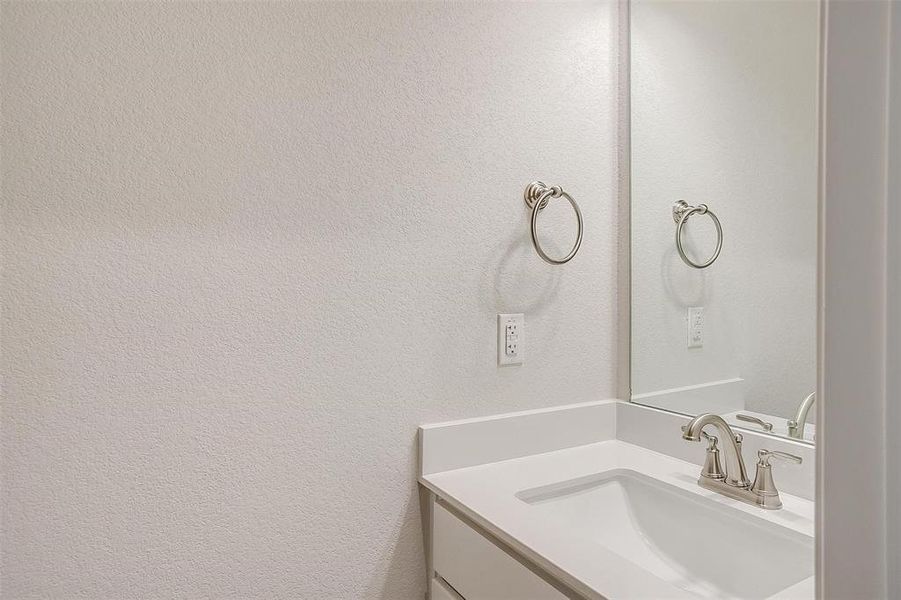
point(749, 419)
point(796, 425)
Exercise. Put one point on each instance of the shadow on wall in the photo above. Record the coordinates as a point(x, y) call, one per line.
point(684, 286)
point(392, 579)
point(521, 281)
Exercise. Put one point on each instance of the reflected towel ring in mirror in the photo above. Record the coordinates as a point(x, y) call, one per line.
point(537, 195)
point(681, 211)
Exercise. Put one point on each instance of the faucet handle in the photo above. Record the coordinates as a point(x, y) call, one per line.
point(713, 468)
point(764, 457)
point(749, 419)
point(764, 486)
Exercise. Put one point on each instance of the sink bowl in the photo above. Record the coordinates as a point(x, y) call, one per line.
point(695, 543)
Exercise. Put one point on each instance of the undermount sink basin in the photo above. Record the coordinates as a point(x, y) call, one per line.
point(695, 543)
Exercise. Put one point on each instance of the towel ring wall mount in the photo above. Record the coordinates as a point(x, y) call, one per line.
point(682, 210)
point(536, 196)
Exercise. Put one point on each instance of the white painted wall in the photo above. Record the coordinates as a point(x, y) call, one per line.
point(857, 307)
point(724, 112)
point(248, 248)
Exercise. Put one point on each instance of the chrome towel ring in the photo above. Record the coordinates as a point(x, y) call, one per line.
point(537, 195)
point(681, 211)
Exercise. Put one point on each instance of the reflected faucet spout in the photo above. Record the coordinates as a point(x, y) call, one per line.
point(736, 475)
point(796, 425)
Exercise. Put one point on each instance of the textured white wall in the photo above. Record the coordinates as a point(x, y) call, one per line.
point(724, 112)
point(248, 248)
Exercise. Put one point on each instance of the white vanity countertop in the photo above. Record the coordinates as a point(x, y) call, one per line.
point(486, 494)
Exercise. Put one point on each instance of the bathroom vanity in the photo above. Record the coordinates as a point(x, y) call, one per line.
point(601, 500)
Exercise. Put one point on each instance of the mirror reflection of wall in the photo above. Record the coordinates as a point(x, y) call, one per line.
point(724, 113)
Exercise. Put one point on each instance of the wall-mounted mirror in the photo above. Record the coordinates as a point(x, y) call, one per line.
point(724, 133)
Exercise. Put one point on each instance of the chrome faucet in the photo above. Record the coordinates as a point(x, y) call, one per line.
point(732, 480)
point(735, 474)
point(796, 425)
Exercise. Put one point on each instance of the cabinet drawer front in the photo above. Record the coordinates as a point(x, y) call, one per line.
point(477, 568)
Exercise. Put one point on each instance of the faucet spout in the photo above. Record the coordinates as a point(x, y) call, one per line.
point(736, 475)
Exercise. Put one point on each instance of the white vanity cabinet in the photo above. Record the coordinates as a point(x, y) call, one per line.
point(468, 564)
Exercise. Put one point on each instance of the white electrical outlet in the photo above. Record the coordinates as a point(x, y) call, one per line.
point(510, 340)
point(695, 327)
